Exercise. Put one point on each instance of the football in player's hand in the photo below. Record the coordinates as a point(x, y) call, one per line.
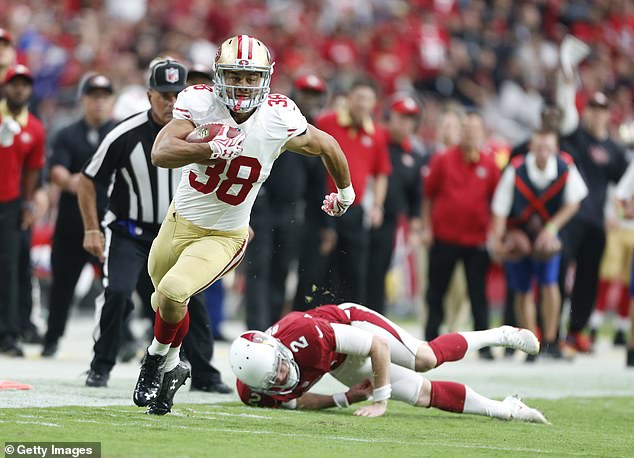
point(517, 245)
point(544, 251)
point(206, 132)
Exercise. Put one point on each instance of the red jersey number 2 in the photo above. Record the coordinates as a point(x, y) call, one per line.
point(222, 187)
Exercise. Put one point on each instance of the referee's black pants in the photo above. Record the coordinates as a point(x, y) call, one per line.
point(68, 259)
point(10, 214)
point(442, 261)
point(124, 271)
point(584, 244)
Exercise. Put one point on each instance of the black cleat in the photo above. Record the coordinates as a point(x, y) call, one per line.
point(486, 354)
point(10, 347)
point(97, 379)
point(211, 387)
point(530, 358)
point(150, 378)
point(619, 339)
point(49, 350)
point(551, 350)
point(172, 381)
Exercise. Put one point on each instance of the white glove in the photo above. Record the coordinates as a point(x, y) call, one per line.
point(223, 147)
point(336, 204)
point(8, 129)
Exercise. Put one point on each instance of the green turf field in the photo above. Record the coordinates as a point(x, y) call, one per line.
point(580, 427)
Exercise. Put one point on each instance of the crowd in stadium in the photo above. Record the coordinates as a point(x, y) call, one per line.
point(449, 89)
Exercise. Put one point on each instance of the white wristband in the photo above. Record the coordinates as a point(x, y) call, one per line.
point(382, 394)
point(346, 195)
point(291, 405)
point(341, 400)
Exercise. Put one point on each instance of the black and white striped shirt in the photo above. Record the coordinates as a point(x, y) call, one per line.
point(138, 191)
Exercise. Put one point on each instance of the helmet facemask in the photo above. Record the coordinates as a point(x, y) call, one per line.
point(230, 94)
point(283, 356)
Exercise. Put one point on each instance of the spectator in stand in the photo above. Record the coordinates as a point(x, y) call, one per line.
point(601, 161)
point(72, 147)
point(456, 214)
point(403, 197)
point(537, 195)
point(365, 148)
point(22, 140)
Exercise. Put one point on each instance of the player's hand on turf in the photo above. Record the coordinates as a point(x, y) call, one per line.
point(223, 147)
point(376, 409)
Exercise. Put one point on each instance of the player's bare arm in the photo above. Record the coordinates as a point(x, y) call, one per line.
point(170, 150)
point(380, 358)
point(94, 242)
point(356, 393)
point(315, 142)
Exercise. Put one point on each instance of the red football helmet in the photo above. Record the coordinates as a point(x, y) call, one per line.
point(238, 54)
point(257, 360)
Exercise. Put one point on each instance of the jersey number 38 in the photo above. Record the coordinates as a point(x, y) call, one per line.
point(235, 187)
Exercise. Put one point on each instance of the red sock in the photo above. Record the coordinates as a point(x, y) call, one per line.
point(602, 295)
point(624, 302)
point(449, 396)
point(163, 331)
point(449, 347)
point(182, 331)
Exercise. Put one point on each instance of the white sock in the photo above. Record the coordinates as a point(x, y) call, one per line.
point(477, 404)
point(596, 319)
point(173, 358)
point(479, 339)
point(158, 348)
point(621, 323)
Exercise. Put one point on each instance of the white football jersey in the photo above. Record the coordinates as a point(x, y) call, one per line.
point(221, 196)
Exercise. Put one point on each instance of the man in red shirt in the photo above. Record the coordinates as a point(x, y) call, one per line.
point(21, 158)
point(365, 147)
point(456, 211)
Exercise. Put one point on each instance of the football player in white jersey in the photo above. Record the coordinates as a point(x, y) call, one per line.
point(204, 235)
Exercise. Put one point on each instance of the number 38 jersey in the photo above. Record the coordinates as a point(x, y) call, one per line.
point(311, 339)
point(221, 196)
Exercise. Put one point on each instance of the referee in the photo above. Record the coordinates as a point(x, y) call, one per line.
point(138, 201)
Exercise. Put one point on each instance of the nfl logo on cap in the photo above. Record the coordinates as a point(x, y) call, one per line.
point(171, 75)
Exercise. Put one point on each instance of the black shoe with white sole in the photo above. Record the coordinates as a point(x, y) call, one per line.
point(150, 378)
point(172, 381)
